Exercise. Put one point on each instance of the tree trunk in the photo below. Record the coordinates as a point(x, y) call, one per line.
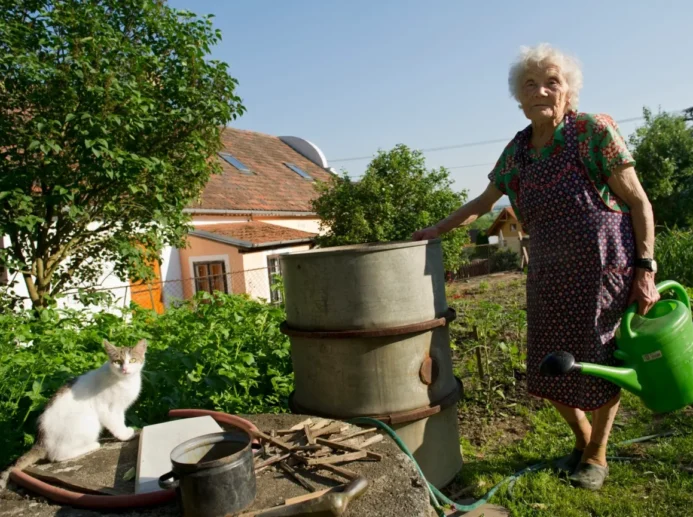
point(39, 291)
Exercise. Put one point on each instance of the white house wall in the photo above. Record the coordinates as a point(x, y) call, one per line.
point(107, 281)
point(304, 225)
point(202, 220)
point(171, 275)
point(257, 274)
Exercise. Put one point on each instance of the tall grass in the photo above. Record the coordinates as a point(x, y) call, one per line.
point(674, 255)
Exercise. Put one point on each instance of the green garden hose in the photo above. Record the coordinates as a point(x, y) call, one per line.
point(437, 497)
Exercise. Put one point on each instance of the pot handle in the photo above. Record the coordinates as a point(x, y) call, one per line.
point(169, 481)
point(662, 287)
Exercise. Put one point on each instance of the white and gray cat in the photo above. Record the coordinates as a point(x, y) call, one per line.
point(72, 421)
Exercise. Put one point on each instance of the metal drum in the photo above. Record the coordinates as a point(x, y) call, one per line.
point(369, 337)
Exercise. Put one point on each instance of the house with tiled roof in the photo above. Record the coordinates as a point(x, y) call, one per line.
point(257, 208)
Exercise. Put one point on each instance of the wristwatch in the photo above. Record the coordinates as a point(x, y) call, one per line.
point(647, 264)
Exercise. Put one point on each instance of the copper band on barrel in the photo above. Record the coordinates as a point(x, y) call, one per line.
point(401, 417)
point(414, 328)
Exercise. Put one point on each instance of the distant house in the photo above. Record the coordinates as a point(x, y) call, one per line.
point(257, 208)
point(507, 229)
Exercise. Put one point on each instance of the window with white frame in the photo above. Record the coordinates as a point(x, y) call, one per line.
point(274, 270)
point(210, 276)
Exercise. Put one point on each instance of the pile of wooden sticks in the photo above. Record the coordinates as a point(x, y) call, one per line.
point(315, 445)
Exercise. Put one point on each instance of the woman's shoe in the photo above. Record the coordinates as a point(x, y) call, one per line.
point(567, 464)
point(588, 476)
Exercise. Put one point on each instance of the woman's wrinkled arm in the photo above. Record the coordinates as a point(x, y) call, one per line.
point(471, 211)
point(466, 214)
point(625, 184)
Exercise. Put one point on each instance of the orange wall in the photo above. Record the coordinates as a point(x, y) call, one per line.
point(202, 250)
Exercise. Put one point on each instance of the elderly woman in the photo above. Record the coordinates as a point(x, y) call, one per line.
point(572, 183)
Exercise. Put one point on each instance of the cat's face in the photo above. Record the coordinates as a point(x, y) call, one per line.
point(125, 361)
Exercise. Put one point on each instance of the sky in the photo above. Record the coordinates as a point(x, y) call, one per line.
point(359, 76)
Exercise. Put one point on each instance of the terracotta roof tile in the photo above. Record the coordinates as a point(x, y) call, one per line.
point(271, 186)
point(254, 232)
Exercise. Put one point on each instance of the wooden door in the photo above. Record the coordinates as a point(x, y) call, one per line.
point(149, 295)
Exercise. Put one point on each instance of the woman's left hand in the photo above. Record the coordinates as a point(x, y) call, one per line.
point(644, 291)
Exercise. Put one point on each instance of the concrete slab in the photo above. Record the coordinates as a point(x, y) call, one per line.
point(157, 442)
point(395, 488)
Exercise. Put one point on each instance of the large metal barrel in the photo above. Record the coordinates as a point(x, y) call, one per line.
point(369, 337)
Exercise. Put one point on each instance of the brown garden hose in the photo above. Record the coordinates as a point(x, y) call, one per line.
point(112, 502)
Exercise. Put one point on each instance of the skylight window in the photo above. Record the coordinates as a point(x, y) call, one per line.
point(228, 158)
point(298, 171)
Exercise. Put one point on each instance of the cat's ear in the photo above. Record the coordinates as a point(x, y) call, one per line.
point(111, 350)
point(140, 348)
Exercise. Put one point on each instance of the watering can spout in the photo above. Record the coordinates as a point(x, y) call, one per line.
point(562, 363)
point(626, 378)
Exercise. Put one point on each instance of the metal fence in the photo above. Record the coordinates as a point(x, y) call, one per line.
point(486, 259)
point(261, 284)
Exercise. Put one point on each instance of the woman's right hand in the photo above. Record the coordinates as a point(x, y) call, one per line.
point(427, 234)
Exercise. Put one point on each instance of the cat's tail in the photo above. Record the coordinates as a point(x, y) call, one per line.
point(35, 454)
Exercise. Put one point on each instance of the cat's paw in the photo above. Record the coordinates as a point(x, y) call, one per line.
point(128, 435)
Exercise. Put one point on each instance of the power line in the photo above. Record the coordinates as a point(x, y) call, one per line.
point(471, 166)
point(431, 149)
point(471, 144)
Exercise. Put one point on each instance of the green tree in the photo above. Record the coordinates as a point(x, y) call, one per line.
point(396, 196)
point(663, 150)
point(110, 113)
point(481, 238)
point(483, 222)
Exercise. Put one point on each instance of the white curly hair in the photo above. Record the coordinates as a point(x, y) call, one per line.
point(545, 55)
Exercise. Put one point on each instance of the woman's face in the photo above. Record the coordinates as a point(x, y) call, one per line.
point(544, 94)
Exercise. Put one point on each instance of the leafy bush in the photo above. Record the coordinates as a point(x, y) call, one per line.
point(674, 254)
point(504, 259)
point(218, 352)
point(396, 196)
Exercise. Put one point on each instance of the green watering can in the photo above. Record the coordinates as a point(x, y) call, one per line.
point(657, 350)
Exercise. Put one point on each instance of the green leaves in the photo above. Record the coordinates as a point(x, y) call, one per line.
point(217, 352)
point(396, 197)
point(96, 105)
point(663, 151)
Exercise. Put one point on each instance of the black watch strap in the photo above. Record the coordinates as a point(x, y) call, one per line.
point(644, 263)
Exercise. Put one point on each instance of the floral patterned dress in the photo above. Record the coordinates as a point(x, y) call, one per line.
point(582, 252)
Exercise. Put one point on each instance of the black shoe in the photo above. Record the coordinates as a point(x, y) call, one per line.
point(567, 464)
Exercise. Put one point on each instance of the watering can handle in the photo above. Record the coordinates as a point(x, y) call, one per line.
point(662, 287)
